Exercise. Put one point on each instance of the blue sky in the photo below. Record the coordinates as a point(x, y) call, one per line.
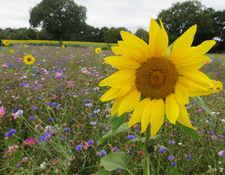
point(131, 14)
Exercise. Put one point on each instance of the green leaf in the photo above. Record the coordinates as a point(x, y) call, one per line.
point(202, 104)
point(122, 128)
point(102, 172)
point(115, 160)
point(188, 131)
point(116, 121)
point(169, 50)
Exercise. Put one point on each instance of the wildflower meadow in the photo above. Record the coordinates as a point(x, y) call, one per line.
point(51, 119)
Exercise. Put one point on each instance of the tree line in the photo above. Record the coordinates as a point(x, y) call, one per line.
point(65, 20)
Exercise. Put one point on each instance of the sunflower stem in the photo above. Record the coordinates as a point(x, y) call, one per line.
point(146, 161)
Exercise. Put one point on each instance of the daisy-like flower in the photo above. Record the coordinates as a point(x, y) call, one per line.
point(2, 111)
point(98, 50)
point(30, 141)
point(155, 82)
point(6, 43)
point(12, 51)
point(29, 59)
point(63, 46)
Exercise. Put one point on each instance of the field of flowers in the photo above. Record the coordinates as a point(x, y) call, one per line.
point(51, 118)
point(56, 43)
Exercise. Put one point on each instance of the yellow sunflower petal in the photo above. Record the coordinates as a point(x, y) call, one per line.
point(171, 108)
point(161, 43)
point(153, 31)
point(118, 79)
point(181, 94)
point(196, 75)
point(116, 50)
point(198, 50)
point(146, 115)
point(122, 62)
point(136, 42)
point(116, 105)
point(157, 116)
point(131, 52)
point(137, 114)
point(183, 43)
point(192, 85)
point(129, 102)
point(183, 117)
point(217, 87)
point(112, 93)
point(193, 63)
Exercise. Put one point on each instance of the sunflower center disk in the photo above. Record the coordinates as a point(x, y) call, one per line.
point(29, 59)
point(156, 78)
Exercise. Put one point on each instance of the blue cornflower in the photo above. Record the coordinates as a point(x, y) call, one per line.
point(67, 94)
point(162, 150)
point(49, 103)
point(170, 158)
point(35, 109)
point(13, 110)
point(35, 69)
point(171, 142)
point(131, 137)
point(97, 111)
point(86, 101)
point(78, 148)
point(137, 131)
point(114, 149)
point(31, 118)
point(10, 133)
point(54, 104)
point(174, 164)
point(82, 130)
point(188, 157)
point(103, 152)
point(50, 119)
point(63, 138)
point(93, 123)
point(90, 142)
point(67, 129)
point(46, 136)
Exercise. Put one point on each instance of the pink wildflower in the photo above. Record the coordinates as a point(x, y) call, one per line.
point(2, 111)
point(84, 71)
point(140, 152)
point(12, 148)
point(4, 65)
point(58, 74)
point(30, 142)
point(70, 83)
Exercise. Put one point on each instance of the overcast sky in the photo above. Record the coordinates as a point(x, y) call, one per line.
point(131, 14)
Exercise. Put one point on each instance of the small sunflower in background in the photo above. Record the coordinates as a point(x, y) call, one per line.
point(21, 45)
point(63, 46)
point(6, 43)
point(98, 50)
point(12, 51)
point(28, 59)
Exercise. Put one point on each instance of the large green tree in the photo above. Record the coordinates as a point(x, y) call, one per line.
point(178, 18)
point(58, 17)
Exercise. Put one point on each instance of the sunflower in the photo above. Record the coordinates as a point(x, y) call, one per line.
point(12, 51)
point(6, 43)
point(154, 82)
point(98, 50)
point(63, 46)
point(28, 59)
